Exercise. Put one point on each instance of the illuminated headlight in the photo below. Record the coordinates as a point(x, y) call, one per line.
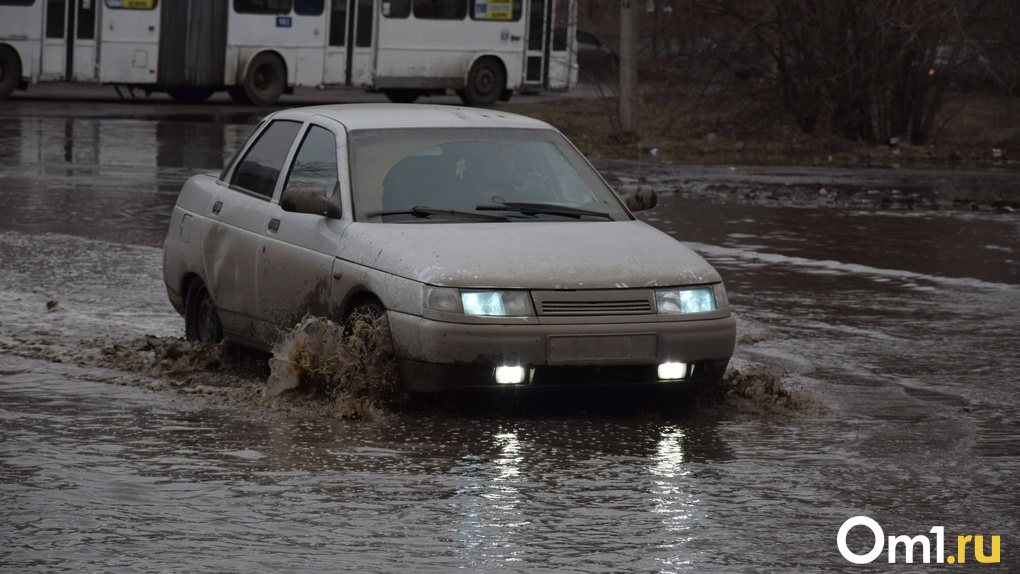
point(509, 375)
point(685, 300)
point(480, 303)
point(497, 303)
point(672, 371)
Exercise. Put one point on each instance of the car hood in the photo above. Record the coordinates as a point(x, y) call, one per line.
point(527, 255)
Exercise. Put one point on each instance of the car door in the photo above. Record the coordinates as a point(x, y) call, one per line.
point(238, 220)
point(298, 248)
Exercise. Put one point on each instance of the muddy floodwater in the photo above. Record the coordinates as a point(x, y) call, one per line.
point(895, 331)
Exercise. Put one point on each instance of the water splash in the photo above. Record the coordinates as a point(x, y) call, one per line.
point(758, 389)
point(350, 375)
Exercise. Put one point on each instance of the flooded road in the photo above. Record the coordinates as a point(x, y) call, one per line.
point(896, 330)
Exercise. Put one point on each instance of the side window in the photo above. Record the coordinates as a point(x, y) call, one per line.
point(56, 12)
point(338, 23)
point(440, 9)
point(315, 163)
point(132, 4)
point(396, 8)
point(262, 6)
point(309, 7)
point(363, 35)
point(260, 168)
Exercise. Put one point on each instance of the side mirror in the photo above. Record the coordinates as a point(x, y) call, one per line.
point(638, 198)
point(312, 200)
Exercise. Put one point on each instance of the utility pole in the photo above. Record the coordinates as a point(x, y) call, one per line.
point(628, 65)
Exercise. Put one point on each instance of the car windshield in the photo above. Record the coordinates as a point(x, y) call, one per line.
point(472, 175)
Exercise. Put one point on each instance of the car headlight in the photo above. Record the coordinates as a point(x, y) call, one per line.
point(479, 303)
point(682, 300)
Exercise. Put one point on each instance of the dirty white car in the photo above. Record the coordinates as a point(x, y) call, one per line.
point(497, 253)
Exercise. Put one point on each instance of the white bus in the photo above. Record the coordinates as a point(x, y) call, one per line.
point(257, 50)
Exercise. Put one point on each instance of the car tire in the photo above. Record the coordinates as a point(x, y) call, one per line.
point(266, 79)
point(201, 319)
point(190, 95)
point(402, 96)
point(485, 84)
point(10, 71)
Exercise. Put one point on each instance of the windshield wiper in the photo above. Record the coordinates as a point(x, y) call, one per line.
point(545, 209)
point(424, 212)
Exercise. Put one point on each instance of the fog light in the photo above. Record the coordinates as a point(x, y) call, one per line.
point(509, 375)
point(672, 370)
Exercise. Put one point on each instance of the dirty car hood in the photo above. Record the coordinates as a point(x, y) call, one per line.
point(530, 255)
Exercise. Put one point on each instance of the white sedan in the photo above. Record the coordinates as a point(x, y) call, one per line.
point(498, 254)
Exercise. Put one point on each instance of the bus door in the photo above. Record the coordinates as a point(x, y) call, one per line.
point(350, 57)
point(548, 60)
point(69, 45)
point(562, 67)
point(129, 31)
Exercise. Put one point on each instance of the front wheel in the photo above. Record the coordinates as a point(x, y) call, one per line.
point(201, 320)
point(485, 84)
point(10, 71)
point(266, 79)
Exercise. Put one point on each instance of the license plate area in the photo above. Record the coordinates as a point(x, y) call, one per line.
point(602, 349)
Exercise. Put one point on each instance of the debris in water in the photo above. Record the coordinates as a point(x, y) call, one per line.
point(52, 305)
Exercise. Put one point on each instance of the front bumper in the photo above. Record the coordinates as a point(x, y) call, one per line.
point(438, 356)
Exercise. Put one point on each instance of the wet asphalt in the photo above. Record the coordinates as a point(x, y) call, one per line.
point(892, 328)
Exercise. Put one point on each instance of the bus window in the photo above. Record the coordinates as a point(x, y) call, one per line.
point(261, 6)
point(499, 10)
point(55, 10)
point(338, 23)
point(132, 4)
point(440, 9)
point(309, 7)
point(396, 8)
point(363, 36)
point(86, 20)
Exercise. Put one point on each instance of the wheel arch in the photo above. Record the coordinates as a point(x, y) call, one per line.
point(356, 298)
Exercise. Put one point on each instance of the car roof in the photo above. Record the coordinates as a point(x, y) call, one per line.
point(383, 116)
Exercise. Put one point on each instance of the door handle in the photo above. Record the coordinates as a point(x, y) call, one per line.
point(217, 207)
point(274, 225)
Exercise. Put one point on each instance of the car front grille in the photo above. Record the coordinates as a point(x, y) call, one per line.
point(576, 308)
point(594, 303)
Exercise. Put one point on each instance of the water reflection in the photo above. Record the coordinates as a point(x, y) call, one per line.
point(102, 178)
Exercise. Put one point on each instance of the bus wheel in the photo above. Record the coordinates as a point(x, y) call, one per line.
point(485, 84)
point(190, 95)
point(402, 96)
point(266, 79)
point(10, 71)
